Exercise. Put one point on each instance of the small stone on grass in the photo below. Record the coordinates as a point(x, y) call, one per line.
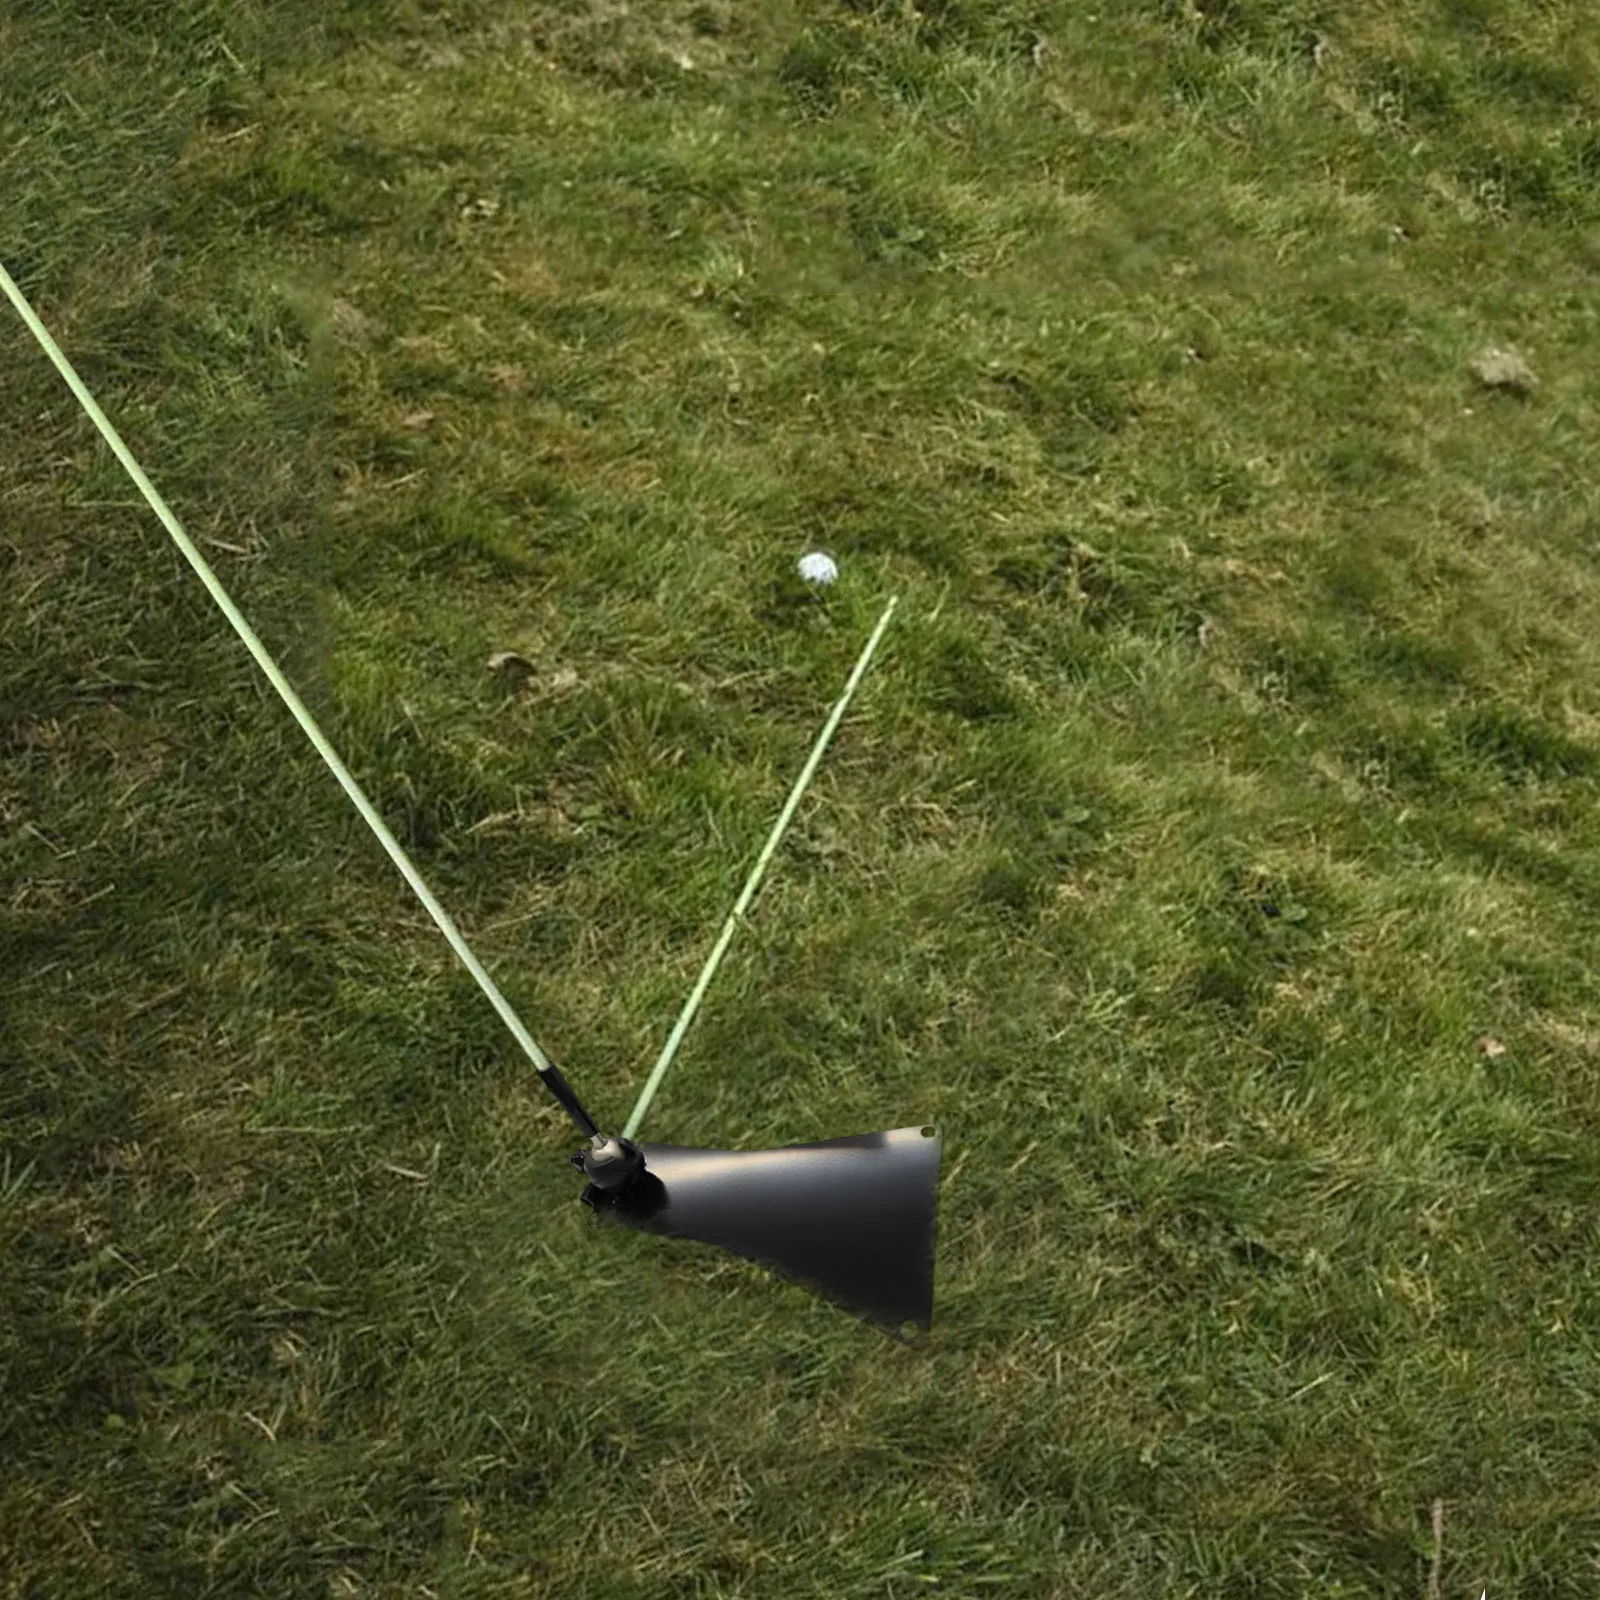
point(1497, 368)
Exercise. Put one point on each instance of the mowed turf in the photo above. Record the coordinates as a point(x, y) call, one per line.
point(1213, 852)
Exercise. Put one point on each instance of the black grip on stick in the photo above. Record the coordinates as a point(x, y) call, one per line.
point(573, 1106)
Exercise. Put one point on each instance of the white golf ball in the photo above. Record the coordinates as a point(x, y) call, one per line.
point(816, 567)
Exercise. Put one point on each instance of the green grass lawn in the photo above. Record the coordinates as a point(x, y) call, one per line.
point(1212, 851)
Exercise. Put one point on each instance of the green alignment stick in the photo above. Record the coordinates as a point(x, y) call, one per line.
point(753, 882)
point(285, 692)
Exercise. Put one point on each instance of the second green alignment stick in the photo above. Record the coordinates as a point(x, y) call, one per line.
point(753, 882)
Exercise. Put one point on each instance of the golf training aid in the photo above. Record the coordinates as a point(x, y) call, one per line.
point(854, 1219)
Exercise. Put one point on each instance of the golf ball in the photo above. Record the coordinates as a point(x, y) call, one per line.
point(816, 567)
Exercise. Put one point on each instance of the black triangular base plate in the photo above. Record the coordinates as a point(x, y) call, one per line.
point(852, 1219)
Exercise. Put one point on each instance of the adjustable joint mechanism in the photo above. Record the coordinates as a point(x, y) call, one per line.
point(609, 1163)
